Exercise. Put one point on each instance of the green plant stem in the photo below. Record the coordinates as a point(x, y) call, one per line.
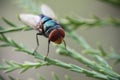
point(1, 78)
point(105, 68)
point(71, 67)
point(91, 64)
point(10, 66)
point(82, 43)
point(71, 24)
point(78, 39)
point(100, 70)
point(15, 29)
point(78, 69)
point(75, 23)
point(114, 2)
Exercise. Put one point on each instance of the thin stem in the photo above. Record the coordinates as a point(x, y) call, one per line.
point(91, 64)
point(71, 67)
point(15, 29)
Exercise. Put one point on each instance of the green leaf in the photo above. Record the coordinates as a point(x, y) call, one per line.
point(41, 78)
point(55, 77)
point(113, 2)
point(8, 22)
point(3, 38)
point(11, 78)
point(1, 28)
point(24, 69)
point(4, 45)
point(10, 70)
point(114, 56)
point(1, 77)
point(67, 77)
point(103, 52)
point(10, 63)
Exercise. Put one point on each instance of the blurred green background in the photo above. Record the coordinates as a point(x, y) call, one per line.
point(107, 36)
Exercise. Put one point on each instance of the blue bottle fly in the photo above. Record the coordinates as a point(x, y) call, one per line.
point(46, 25)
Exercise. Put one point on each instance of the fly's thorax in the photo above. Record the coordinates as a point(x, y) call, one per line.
point(48, 25)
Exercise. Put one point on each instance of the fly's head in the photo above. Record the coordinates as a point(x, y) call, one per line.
point(57, 35)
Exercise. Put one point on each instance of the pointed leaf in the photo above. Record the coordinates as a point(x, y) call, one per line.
point(67, 77)
point(4, 45)
point(11, 78)
point(1, 28)
point(10, 70)
point(3, 38)
point(1, 78)
point(41, 78)
point(103, 52)
point(55, 77)
point(8, 22)
point(24, 69)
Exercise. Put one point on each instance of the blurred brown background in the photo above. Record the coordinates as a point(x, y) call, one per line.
point(107, 36)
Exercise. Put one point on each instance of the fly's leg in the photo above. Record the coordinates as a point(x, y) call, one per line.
point(37, 42)
point(64, 43)
point(47, 50)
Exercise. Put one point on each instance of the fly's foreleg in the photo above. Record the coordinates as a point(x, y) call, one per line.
point(64, 43)
point(47, 50)
point(37, 42)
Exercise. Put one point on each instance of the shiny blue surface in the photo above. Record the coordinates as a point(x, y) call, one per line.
point(48, 25)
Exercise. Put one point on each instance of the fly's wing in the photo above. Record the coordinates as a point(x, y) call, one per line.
point(29, 19)
point(47, 11)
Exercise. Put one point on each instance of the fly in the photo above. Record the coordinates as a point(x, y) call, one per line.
point(46, 25)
